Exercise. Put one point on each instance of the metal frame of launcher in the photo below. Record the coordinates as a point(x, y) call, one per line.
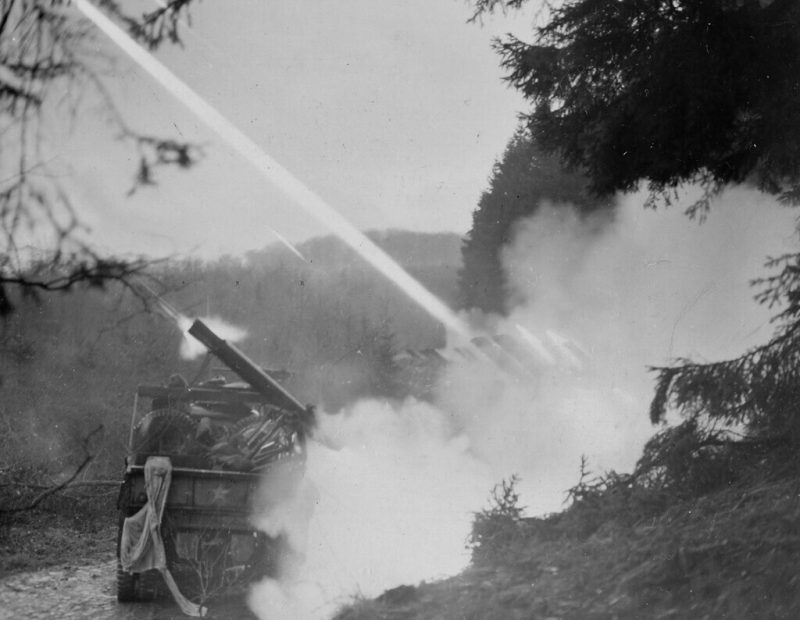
point(218, 424)
point(221, 438)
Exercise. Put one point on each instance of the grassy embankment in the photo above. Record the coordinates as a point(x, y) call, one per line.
point(727, 546)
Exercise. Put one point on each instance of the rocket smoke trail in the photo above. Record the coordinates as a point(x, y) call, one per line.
point(275, 173)
point(289, 246)
point(162, 305)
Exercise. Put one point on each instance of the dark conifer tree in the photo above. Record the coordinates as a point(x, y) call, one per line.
point(667, 91)
point(520, 182)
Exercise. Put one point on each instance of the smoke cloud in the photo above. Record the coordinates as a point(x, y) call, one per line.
point(391, 490)
point(637, 290)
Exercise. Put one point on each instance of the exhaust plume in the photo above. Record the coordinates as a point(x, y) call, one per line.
point(190, 347)
point(393, 504)
point(390, 494)
point(611, 297)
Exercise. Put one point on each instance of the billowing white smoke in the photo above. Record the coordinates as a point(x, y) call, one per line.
point(390, 493)
point(640, 290)
point(600, 301)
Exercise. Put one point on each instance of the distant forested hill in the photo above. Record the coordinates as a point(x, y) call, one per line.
point(69, 362)
point(329, 317)
point(331, 288)
point(410, 249)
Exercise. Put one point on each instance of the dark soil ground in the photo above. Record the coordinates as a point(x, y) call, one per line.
point(63, 530)
point(57, 562)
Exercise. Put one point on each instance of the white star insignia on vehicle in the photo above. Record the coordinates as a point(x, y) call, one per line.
point(219, 494)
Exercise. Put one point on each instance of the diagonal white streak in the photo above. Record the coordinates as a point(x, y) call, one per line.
point(274, 172)
point(290, 246)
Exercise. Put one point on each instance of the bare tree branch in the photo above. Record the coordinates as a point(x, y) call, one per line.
point(88, 457)
point(52, 54)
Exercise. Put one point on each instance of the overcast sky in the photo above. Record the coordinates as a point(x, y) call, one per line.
point(394, 112)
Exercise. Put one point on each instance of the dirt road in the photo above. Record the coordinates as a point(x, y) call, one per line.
point(86, 593)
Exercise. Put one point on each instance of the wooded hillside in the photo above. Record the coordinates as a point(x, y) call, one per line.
point(70, 362)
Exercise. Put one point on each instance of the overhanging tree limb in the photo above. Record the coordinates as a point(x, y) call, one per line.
point(52, 51)
point(665, 91)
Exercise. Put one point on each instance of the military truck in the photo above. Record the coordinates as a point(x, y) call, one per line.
point(195, 475)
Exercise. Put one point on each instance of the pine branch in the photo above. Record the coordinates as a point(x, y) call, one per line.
point(758, 388)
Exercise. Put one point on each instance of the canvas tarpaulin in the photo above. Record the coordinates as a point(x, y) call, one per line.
point(142, 547)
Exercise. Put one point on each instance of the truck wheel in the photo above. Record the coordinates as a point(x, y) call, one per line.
point(126, 585)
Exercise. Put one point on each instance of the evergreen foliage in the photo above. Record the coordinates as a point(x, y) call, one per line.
point(758, 392)
point(670, 91)
point(497, 528)
point(521, 181)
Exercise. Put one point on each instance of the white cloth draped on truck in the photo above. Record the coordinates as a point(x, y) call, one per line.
point(142, 547)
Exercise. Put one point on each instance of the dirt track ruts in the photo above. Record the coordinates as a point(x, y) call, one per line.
point(84, 593)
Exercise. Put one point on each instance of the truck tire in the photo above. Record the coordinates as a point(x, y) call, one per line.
point(126, 585)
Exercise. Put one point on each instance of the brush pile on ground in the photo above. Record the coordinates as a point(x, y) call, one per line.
point(74, 526)
point(697, 531)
